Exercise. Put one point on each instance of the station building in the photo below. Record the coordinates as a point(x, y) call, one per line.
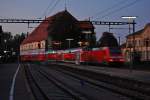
point(138, 45)
point(59, 31)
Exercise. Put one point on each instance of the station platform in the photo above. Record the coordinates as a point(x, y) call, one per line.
point(139, 75)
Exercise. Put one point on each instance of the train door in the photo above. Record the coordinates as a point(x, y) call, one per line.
point(77, 59)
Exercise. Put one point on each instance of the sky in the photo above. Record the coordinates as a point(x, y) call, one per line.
point(99, 10)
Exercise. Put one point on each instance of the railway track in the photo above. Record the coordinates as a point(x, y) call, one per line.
point(59, 76)
point(131, 88)
point(79, 87)
point(39, 83)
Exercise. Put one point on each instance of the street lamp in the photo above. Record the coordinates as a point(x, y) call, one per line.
point(147, 44)
point(58, 44)
point(80, 43)
point(131, 21)
point(5, 44)
point(5, 51)
point(69, 39)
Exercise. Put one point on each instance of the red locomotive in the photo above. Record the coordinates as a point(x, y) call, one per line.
point(48, 42)
point(106, 55)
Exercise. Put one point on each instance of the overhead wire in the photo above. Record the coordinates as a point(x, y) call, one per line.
point(45, 11)
point(119, 9)
point(53, 7)
point(109, 8)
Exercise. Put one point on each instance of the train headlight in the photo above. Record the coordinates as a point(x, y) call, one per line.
point(111, 60)
point(122, 60)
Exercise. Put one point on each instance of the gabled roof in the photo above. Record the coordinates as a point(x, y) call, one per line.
point(41, 32)
point(86, 25)
point(136, 33)
point(140, 31)
point(60, 23)
point(108, 39)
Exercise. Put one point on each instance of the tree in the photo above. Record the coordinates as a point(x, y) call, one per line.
point(9, 46)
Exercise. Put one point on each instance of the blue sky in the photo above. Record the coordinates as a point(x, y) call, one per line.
point(102, 10)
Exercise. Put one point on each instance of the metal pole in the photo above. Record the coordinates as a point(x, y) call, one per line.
point(119, 40)
point(147, 49)
point(109, 27)
point(69, 39)
point(133, 26)
point(69, 44)
point(133, 41)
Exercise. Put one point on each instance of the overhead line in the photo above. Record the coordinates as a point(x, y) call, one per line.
point(45, 12)
point(110, 8)
point(53, 7)
point(119, 9)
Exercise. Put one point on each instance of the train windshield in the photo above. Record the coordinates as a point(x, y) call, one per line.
point(115, 51)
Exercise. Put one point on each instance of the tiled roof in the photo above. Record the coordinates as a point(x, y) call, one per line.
point(57, 24)
point(41, 32)
point(140, 31)
point(86, 25)
point(136, 33)
point(108, 39)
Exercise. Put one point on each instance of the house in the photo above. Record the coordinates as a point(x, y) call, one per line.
point(108, 40)
point(138, 45)
point(54, 32)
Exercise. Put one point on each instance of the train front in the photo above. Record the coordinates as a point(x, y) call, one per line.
point(115, 56)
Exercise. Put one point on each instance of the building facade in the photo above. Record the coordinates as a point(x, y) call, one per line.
point(54, 33)
point(138, 45)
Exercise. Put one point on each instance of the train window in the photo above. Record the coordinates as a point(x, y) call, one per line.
point(95, 48)
point(115, 51)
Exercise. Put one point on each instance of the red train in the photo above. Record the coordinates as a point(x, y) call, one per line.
point(105, 55)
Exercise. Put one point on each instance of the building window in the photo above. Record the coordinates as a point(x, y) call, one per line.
point(139, 43)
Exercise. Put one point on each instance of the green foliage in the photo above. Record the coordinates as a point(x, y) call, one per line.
point(10, 45)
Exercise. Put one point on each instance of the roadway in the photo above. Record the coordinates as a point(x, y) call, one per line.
point(6, 75)
point(9, 89)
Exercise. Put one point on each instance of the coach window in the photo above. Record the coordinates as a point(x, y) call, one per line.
point(34, 45)
point(42, 45)
point(29, 46)
point(39, 46)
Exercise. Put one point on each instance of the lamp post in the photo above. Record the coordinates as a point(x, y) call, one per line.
point(5, 51)
point(131, 21)
point(147, 45)
point(5, 41)
point(58, 44)
point(69, 39)
point(80, 43)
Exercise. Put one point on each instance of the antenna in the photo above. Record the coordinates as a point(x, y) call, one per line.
point(65, 5)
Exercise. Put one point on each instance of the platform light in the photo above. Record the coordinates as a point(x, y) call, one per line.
point(131, 21)
point(80, 43)
point(69, 39)
point(128, 17)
